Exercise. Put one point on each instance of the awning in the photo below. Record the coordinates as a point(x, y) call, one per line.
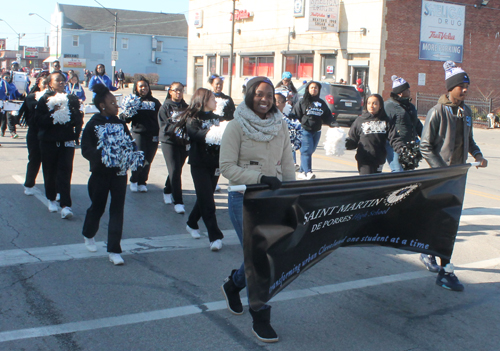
point(50, 59)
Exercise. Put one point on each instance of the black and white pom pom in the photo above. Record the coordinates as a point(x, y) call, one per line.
point(410, 156)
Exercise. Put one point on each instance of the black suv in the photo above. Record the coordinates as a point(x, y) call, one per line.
point(343, 100)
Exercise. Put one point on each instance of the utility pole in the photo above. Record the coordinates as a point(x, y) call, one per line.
point(19, 36)
point(113, 62)
point(231, 59)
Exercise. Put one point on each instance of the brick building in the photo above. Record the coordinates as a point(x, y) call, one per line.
point(374, 40)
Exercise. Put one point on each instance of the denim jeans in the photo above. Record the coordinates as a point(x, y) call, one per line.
point(393, 158)
point(235, 206)
point(310, 141)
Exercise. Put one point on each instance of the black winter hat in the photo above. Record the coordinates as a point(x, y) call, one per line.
point(454, 75)
point(399, 84)
point(259, 80)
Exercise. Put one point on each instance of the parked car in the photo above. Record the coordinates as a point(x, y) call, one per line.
point(343, 100)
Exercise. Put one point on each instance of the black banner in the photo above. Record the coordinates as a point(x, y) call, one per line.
point(291, 229)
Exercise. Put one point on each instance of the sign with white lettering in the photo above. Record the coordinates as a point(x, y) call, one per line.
point(323, 15)
point(441, 31)
point(289, 230)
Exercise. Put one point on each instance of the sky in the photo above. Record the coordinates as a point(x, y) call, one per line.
point(16, 14)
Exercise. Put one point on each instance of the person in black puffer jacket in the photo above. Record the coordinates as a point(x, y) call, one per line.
point(312, 112)
point(204, 161)
point(57, 115)
point(174, 151)
point(369, 133)
point(145, 130)
point(403, 114)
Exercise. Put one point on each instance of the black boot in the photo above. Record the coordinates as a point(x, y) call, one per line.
point(232, 294)
point(262, 325)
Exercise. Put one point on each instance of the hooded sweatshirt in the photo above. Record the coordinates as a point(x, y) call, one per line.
point(369, 134)
point(145, 121)
point(312, 114)
point(90, 139)
point(404, 115)
point(202, 154)
point(50, 132)
point(167, 116)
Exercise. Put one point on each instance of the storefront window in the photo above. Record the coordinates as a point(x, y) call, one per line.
point(257, 66)
point(300, 66)
point(210, 65)
point(224, 66)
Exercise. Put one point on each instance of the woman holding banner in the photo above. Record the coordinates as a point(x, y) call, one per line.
point(255, 148)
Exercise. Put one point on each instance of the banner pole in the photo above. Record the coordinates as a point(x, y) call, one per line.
point(475, 164)
point(236, 188)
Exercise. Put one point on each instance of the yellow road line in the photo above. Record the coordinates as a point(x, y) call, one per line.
point(348, 163)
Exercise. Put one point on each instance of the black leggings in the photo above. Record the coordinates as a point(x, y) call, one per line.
point(57, 166)
point(99, 186)
point(205, 181)
point(175, 157)
point(146, 144)
point(369, 169)
point(34, 157)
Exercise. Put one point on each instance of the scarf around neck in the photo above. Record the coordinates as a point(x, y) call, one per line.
point(256, 128)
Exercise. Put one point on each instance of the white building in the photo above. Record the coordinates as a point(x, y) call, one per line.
point(147, 42)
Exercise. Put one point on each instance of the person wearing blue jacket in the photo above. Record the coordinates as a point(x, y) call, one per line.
point(100, 77)
point(8, 91)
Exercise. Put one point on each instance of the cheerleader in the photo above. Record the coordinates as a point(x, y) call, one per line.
point(27, 116)
point(57, 116)
point(201, 125)
point(100, 77)
point(145, 130)
point(174, 151)
point(75, 88)
point(225, 104)
point(107, 144)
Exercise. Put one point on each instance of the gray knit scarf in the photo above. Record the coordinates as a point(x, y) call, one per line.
point(256, 128)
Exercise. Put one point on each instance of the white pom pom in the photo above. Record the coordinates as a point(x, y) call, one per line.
point(449, 65)
point(62, 115)
point(214, 135)
point(335, 142)
point(394, 77)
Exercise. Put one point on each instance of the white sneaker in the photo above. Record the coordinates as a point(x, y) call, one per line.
point(133, 187)
point(90, 244)
point(29, 191)
point(195, 233)
point(179, 208)
point(116, 259)
point(142, 189)
point(52, 206)
point(66, 213)
point(301, 176)
point(216, 245)
point(217, 188)
point(58, 197)
point(167, 199)
point(310, 175)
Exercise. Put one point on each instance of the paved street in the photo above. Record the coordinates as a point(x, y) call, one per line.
point(55, 295)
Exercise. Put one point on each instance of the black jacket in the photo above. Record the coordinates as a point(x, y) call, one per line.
point(168, 114)
point(313, 115)
point(369, 134)
point(50, 132)
point(404, 115)
point(90, 139)
point(146, 120)
point(201, 154)
point(27, 112)
point(225, 107)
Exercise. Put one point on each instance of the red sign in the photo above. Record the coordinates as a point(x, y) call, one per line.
point(241, 15)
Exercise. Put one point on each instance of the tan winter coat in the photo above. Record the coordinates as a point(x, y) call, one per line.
point(245, 161)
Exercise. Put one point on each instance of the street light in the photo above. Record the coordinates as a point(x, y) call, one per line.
point(113, 62)
point(19, 35)
point(57, 32)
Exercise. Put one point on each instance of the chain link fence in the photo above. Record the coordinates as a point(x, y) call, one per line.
point(480, 107)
